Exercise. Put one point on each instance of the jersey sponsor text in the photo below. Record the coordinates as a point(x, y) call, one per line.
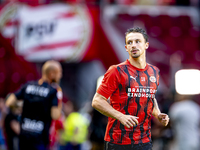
point(33, 125)
point(37, 90)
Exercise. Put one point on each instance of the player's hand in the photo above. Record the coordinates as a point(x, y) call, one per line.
point(128, 120)
point(163, 118)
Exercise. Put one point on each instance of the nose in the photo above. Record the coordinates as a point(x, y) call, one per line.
point(133, 44)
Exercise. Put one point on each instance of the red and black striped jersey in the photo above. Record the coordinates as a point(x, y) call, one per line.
point(131, 91)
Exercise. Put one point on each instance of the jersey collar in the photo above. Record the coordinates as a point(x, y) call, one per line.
point(146, 67)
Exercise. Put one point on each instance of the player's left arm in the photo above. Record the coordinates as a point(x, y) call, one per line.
point(56, 109)
point(55, 112)
point(162, 117)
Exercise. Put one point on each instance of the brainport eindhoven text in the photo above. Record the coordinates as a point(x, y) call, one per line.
point(141, 92)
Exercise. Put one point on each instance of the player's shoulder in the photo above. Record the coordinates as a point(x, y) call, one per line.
point(117, 66)
point(125, 63)
point(112, 68)
point(45, 85)
point(52, 90)
point(56, 86)
point(154, 67)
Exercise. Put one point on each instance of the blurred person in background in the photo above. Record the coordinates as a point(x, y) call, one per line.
point(75, 128)
point(161, 135)
point(131, 86)
point(185, 122)
point(40, 107)
point(97, 130)
point(12, 125)
point(3, 112)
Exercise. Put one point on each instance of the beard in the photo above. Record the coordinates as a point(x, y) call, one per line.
point(53, 81)
point(135, 55)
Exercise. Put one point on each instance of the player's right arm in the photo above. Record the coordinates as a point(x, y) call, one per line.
point(11, 100)
point(100, 103)
point(15, 126)
point(13, 97)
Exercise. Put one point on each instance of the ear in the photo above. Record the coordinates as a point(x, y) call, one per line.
point(147, 45)
point(126, 48)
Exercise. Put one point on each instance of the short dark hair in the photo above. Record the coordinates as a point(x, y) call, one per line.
point(137, 30)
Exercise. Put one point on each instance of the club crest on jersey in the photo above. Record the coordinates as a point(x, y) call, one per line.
point(142, 78)
point(152, 79)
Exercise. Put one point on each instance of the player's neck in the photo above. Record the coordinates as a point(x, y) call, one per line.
point(138, 62)
point(44, 79)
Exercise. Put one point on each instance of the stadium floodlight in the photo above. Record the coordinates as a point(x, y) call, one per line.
point(187, 81)
point(99, 80)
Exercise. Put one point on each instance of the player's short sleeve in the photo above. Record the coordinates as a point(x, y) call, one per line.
point(20, 93)
point(54, 98)
point(157, 75)
point(109, 83)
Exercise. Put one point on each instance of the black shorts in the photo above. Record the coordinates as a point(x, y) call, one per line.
point(142, 146)
point(31, 144)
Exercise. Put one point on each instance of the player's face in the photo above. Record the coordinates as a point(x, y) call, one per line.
point(136, 45)
point(57, 74)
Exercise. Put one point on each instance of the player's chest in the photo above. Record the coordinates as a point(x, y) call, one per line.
point(139, 84)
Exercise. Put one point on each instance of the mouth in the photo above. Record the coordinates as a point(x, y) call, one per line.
point(134, 50)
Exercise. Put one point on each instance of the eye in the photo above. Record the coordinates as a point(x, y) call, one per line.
point(129, 42)
point(137, 41)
